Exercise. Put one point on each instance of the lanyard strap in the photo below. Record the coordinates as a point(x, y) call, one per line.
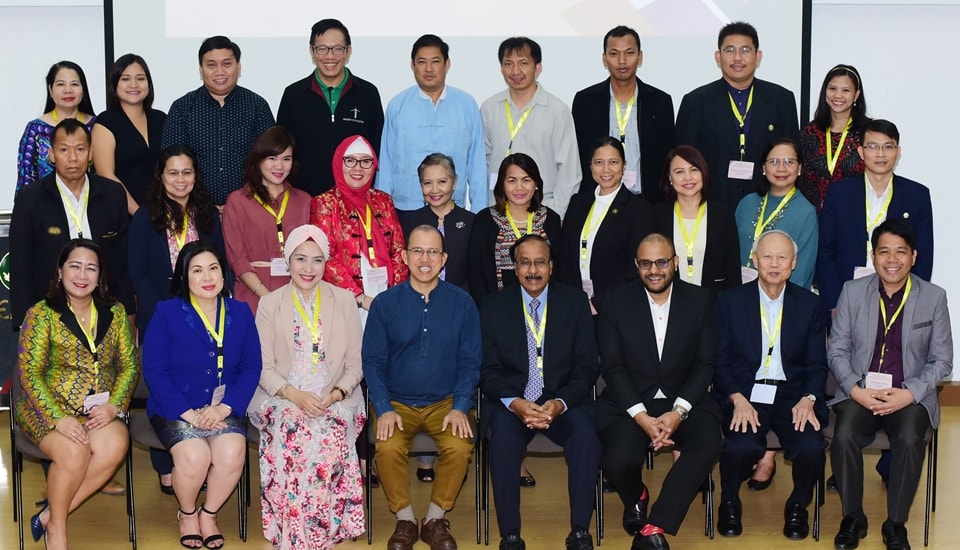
point(313, 324)
point(68, 202)
point(833, 158)
point(514, 130)
point(771, 336)
point(181, 237)
point(742, 120)
point(513, 224)
point(887, 325)
point(90, 334)
point(537, 332)
point(589, 228)
point(368, 231)
point(881, 215)
point(624, 117)
point(217, 335)
point(762, 223)
point(278, 216)
point(688, 240)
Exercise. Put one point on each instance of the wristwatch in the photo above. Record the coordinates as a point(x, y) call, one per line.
point(684, 413)
point(811, 397)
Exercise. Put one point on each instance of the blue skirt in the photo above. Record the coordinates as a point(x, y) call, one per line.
point(171, 432)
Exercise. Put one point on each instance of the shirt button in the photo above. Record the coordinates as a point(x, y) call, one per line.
point(424, 310)
point(209, 371)
point(211, 354)
point(206, 390)
point(424, 330)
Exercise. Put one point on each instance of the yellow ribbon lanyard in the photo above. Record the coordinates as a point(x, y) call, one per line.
point(215, 334)
point(537, 333)
point(279, 215)
point(91, 339)
point(763, 223)
point(887, 325)
point(514, 130)
point(513, 224)
point(623, 118)
point(771, 337)
point(68, 202)
point(181, 237)
point(368, 230)
point(742, 119)
point(589, 228)
point(688, 240)
point(881, 215)
point(313, 324)
point(831, 158)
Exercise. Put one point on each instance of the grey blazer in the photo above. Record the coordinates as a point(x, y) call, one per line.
point(927, 341)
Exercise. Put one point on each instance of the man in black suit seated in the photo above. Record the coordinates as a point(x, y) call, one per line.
point(538, 377)
point(658, 346)
point(771, 372)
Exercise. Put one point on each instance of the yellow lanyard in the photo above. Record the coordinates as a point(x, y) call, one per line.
point(771, 337)
point(513, 224)
point(623, 118)
point(887, 325)
point(91, 338)
point(688, 240)
point(831, 158)
point(589, 228)
point(514, 130)
point(537, 333)
point(278, 215)
point(368, 230)
point(742, 119)
point(313, 324)
point(217, 335)
point(68, 203)
point(181, 237)
point(881, 215)
point(763, 223)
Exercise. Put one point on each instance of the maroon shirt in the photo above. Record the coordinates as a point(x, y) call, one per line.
point(893, 357)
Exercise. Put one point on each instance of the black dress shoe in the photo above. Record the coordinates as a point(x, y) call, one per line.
point(579, 539)
point(650, 542)
point(728, 519)
point(852, 529)
point(512, 542)
point(755, 485)
point(795, 525)
point(608, 487)
point(634, 517)
point(832, 484)
point(895, 536)
point(528, 481)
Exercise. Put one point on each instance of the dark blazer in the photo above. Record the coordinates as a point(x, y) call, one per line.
point(456, 238)
point(39, 230)
point(570, 366)
point(843, 231)
point(591, 116)
point(627, 222)
point(721, 259)
point(628, 351)
point(741, 340)
point(706, 121)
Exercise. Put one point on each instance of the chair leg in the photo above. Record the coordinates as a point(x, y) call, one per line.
point(599, 506)
point(369, 487)
point(477, 453)
point(816, 509)
point(486, 495)
point(13, 446)
point(936, 453)
point(243, 494)
point(709, 511)
point(931, 464)
point(131, 515)
point(18, 489)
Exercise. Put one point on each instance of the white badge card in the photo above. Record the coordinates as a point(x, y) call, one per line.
point(278, 268)
point(740, 170)
point(748, 274)
point(95, 400)
point(763, 393)
point(860, 271)
point(631, 181)
point(218, 394)
point(493, 180)
point(376, 276)
point(878, 381)
point(588, 287)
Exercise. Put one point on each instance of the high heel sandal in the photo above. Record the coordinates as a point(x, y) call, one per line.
point(189, 538)
point(212, 538)
point(37, 529)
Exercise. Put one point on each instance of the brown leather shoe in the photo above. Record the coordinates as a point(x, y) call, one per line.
point(436, 533)
point(404, 536)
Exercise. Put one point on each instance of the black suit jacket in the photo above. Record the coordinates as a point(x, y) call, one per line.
point(629, 362)
point(706, 121)
point(721, 259)
point(39, 230)
point(741, 341)
point(591, 116)
point(627, 222)
point(570, 366)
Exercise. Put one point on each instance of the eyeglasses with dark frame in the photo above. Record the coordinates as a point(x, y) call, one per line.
point(432, 253)
point(662, 263)
point(351, 162)
point(323, 50)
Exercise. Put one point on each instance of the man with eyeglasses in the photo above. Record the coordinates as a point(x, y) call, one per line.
point(421, 362)
point(732, 119)
point(328, 106)
point(658, 347)
point(537, 377)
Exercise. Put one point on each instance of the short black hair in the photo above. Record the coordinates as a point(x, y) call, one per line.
point(763, 184)
point(618, 32)
point(882, 126)
point(738, 28)
point(517, 44)
point(427, 41)
point(179, 285)
point(895, 226)
point(218, 43)
point(529, 237)
point(70, 126)
point(325, 25)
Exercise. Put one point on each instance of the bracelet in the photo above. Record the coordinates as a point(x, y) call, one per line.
point(196, 416)
point(343, 392)
point(283, 391)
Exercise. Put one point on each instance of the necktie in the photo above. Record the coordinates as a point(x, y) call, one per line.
point(534, 381)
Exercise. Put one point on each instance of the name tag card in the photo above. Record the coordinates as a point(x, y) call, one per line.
point(740, 170)
point(763, 393)
point(631, 182)
point(278, 268)
point(376, 276)
point(878, 381)
point(493, 180)
point(748, 274)
point(218, 394)
point(861, 271)
point(588, 287)
point(95, 400)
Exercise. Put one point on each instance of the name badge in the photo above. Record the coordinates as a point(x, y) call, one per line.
point(278, 268)
point(860, 271)
point(218, 394)
point(376, 276)
point(631, 181)
point(95, 400)
point(493, 180)
point(763, 393)
point(748, 274)
point(878, 381)
point(587, 285)
point(740, 170)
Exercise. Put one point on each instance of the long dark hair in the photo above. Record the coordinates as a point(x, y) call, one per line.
point(86, 105)
point(166, 212)
point(822, 117)
point(179, 283)
point(272, 141)
point(121, 64)
point(57, 297)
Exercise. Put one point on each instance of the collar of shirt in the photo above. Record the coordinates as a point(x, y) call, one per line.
point(892, 300)
point(636, 95)
point(423, 95)
point(772, 308)
point(539, 98)
point(542, 297)
point(660, 315)
point(740, 97)
point(603, 200)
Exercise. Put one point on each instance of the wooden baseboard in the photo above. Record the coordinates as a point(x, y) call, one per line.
point(950, 394)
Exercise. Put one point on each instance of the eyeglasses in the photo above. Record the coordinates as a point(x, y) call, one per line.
point(351, 162)
point(745, 51)
point(788, 162)
point(527, 263)
point(433, 253)
point(887, 148)
point(323, 50)
point(662, 263)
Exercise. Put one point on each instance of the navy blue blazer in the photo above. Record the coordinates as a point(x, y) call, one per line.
point(843, 231)
point(740, 342)
point(180, 359)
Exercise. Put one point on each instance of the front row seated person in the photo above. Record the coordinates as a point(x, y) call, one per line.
point(421, 360)
point(658, 347)
point(890, 345)
point(538, 378)
point(771, 372)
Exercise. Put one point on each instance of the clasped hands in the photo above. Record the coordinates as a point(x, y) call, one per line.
point(882, 402)
point(659, 428)
point(310, 403)
point(210, 417)
point(98, 417)
point(536, 417)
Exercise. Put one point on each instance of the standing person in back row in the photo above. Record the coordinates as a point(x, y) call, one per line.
point(328, 106)
point(731, 120)
point(219, 120)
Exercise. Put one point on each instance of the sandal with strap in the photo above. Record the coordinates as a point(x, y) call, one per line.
point(207, 542)
point(189, 538)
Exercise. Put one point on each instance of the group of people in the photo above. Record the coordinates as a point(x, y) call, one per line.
point(275, 270)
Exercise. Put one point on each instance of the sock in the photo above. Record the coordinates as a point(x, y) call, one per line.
point(434, 512)
point(650, 529)
point(406, 514)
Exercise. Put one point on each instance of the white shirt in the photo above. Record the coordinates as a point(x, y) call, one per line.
point(78, 208)
point(772, 309)
point(699, 247)
point(875, 203)
point(600, 206)
point(631, 136)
